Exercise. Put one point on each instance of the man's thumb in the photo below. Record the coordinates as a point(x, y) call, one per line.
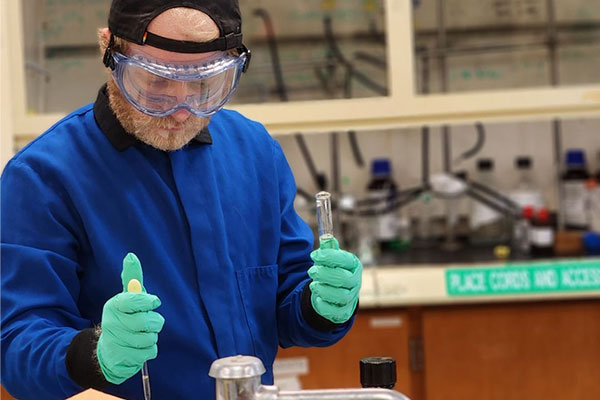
point(132, 269)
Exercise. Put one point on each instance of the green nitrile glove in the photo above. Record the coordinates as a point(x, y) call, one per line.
point(129, 326)
point(336, 277)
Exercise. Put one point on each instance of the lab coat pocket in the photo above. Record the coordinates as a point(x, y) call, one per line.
point(258, 289)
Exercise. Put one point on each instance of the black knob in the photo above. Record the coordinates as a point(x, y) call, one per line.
point(378, 372)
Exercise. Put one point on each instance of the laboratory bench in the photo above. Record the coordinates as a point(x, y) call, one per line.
point(456, 338)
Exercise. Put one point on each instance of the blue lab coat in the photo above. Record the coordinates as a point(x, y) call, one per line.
point(213, 225)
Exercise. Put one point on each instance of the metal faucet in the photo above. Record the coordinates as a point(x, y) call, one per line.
point(238, 378)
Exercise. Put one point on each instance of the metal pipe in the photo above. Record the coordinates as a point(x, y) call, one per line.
point(519, 29)
point(551, 37)
point(425, 133)
point(425, 156)
point(556, 123)
point(442, 43)
point(342, 394)
point(558, 150)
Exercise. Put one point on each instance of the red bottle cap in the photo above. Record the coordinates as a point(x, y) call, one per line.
point(527, 212)
point(543, 215)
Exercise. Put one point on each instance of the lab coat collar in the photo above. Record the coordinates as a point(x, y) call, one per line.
point(114, 131)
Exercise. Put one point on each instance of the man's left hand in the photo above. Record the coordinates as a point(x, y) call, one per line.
point(336, 276)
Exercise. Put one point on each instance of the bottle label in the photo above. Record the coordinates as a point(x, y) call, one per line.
point(541, 237)
point(594, 209)
point(385, 225)
point(574, 197)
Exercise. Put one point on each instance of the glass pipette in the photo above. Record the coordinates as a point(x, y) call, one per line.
point(135, 286)
point(324, 217)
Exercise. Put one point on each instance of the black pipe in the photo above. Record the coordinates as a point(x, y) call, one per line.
point(391, 198)
point(319, 178)
point(493, 193)
point(409, 197)
point(274, 51)
point(480, 142)
point(502, 209)
point(335, 163)
point(371, 59)
point(337, 54)
point(358, 158)
point(303, 193)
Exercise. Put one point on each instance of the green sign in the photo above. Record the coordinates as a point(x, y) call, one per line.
point(563, 276)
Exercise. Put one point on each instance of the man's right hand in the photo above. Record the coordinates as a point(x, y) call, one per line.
point(129, 327)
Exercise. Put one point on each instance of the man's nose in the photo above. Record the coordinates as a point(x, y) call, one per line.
point(181, 115)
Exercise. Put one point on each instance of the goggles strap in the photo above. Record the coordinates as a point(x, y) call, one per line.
point(227, 42)
point(108, 60)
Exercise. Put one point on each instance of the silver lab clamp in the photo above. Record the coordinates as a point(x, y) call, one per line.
point(238, 378)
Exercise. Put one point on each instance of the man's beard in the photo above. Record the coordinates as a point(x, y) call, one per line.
point(153, 131)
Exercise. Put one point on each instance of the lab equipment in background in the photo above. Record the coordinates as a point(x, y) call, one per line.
point(593, 204)
point(367, 249)
point(349, 235)
point(424, 237)
point(542, 235)
point(451, 189)
point(381, 191)
point(526, 193)
point(487, 225)
point(574, 191)
point(521, 243)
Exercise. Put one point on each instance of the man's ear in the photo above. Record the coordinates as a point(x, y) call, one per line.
point(103, 38)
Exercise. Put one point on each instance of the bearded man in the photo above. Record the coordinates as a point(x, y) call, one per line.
point(155, 173)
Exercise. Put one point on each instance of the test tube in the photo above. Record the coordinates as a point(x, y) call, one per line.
point(134, 286)
point(146, 382)
point(324, 217)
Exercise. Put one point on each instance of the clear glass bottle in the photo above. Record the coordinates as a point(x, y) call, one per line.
point(521, 246)
point(526, 192)
point(488, 227)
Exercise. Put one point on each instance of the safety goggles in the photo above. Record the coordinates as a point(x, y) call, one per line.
point(159, 89)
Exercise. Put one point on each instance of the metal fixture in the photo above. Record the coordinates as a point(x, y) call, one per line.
point(238, 378)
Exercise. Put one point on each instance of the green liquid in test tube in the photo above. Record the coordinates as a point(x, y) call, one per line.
point(324, 217)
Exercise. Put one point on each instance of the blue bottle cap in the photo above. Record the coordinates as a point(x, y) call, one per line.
point(381, 166)
point(591, 242)
point(575, 158)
